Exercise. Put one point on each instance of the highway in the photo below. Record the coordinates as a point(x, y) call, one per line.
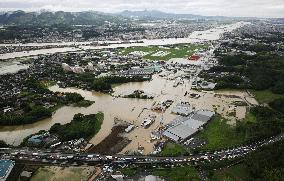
point(53, 157)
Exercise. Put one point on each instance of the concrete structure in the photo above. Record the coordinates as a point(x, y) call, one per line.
point(6, 167)
point(182, 128)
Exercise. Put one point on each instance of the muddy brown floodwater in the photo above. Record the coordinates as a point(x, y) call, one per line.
point(126, 109)
point(130, 110)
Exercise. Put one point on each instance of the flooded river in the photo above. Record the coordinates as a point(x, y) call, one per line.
point(196, 36)
point(111, 106)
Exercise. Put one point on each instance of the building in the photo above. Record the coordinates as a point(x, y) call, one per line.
point(25, 175)
point(147, 122)
point(6, 167)
point(77, 69)
point(183, 108)
point(194, 58)
point(182, 128)
point(90, 66)
point(66, 67)
point(35, 140)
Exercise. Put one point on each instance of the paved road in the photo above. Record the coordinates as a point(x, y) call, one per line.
point(49, 157)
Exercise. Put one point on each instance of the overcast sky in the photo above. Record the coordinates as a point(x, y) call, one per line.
point(258, 8)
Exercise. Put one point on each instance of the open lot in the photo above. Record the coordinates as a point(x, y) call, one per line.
point(63, 174)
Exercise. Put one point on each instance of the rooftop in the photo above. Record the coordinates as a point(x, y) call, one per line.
point(5, 168)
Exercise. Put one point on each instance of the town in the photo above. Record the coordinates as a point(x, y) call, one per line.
point(128, 100)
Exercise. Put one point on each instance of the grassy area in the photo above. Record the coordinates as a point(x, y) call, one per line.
point(173, 149)
point(84, 103)
point(234, 173)
point(175, 51)
point(130, 172)
point(265, 96)
point(250, 118)
point(220, 135)
point(178, 173)
point(42, 174)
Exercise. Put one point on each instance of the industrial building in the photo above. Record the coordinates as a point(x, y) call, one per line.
point(6, 167)
point(182, 128)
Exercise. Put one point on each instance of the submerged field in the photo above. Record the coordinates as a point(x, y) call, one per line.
point(163, 52)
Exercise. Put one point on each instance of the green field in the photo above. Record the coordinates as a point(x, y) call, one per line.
point(173, 149)
point(175, 51)
point(177, 174)
point(265, 96)
point(130, 172)
point(250, 118)
point(234, 173)
point(220, 135)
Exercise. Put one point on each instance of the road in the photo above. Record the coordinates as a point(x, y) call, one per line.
point(53, 157)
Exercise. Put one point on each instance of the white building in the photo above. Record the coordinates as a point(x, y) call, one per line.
point(66, 67)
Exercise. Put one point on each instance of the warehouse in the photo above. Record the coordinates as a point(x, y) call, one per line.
point(187, 126)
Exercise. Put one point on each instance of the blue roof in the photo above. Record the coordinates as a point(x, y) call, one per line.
point(4, 167)
point(35, 139)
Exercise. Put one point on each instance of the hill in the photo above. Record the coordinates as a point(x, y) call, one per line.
point(59, 17)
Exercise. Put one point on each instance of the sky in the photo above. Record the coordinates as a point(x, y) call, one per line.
point(241, 8)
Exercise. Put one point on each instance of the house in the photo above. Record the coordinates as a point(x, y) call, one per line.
point(194, 57)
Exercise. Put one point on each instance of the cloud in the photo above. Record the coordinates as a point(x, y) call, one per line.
point(258, 8)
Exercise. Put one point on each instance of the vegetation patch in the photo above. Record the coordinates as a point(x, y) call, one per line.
point(130, 172)
point(220, 135)
point(234, 173)
point(82, 126)
point(265, 96)
point(177, 174)
point(173, 149)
